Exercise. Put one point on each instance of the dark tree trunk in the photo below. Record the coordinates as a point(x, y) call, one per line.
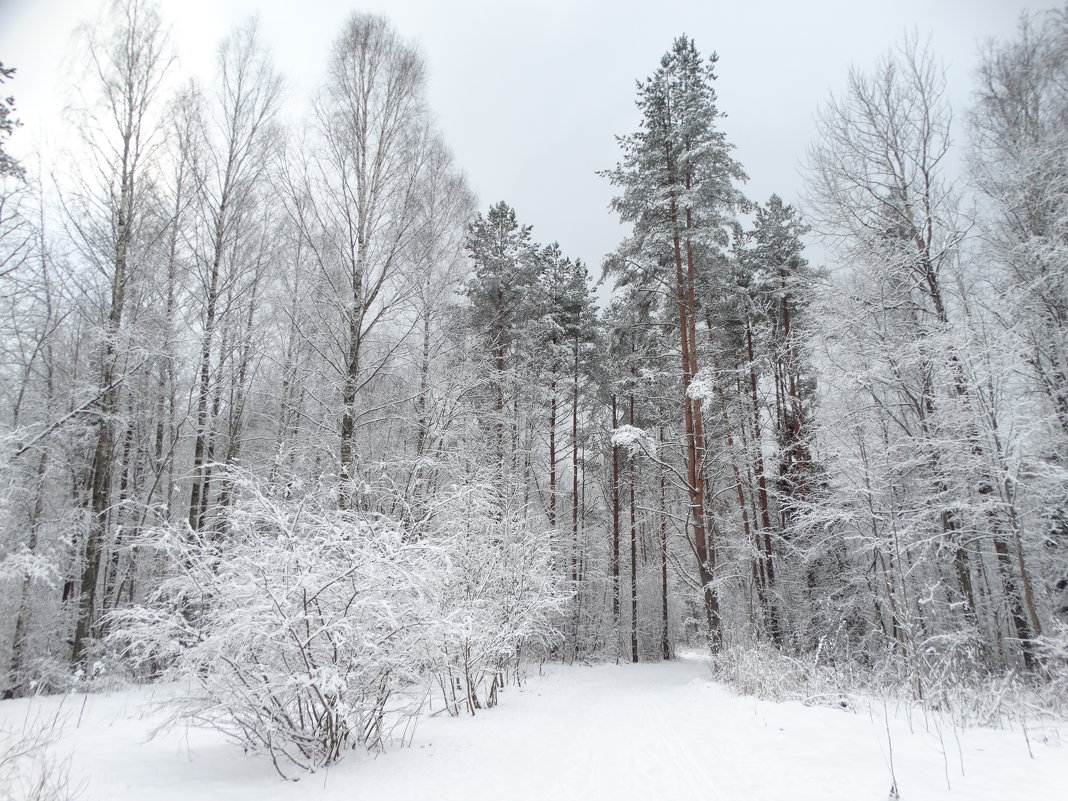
point(767, 566)
point(552, 450)
point(575, 555)
point(100, 471)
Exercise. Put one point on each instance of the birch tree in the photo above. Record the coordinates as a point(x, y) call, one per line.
point(127, 59)
point(375, 144)
point(882, 193)
point(237, 134)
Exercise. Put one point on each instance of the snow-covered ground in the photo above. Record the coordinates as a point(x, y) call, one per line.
point(653, 732)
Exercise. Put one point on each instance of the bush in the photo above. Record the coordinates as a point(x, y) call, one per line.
point(298, 629)
point(306, 631)
point(499, 595)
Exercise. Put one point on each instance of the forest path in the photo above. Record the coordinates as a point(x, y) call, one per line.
point(648, 732)
point(663, 731)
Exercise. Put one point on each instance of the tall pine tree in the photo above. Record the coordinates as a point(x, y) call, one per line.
point(677, 187)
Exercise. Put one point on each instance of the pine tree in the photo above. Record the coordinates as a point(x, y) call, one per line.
point(563, 296)
point(8, 165)
point(503, 294)
point(782, 289)
point(677, 183)
point(774, 287)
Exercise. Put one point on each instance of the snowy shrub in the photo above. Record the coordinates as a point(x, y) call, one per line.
point(959, 696)
point(299, 629)
point(500, 594)
point(767, 672)
point(304, 631)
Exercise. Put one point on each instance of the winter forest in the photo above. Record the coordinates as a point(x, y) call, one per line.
point(292, 421)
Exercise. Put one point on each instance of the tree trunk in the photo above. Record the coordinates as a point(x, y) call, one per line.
point(100, 471)
point(552, 449)
point(633, 549)
point(692, 422)
point(615, 522)
point(665, 641)
point(575, 498)
point(198, 493)
point(18, 645)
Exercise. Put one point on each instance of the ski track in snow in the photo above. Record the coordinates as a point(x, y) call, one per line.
point(654, 732)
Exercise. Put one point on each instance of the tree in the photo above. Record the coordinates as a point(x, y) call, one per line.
point(782, 294)
point(9, 167)
point(503, 293)
point(677, 188)
point(127, 59)
point(236, 135)
point(769, 310)
point(363, 184)
point(881, 193)
point(445, 209)
point(1018, 161)
point(32, 316)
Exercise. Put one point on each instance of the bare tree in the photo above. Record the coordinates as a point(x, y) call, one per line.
point(363, 186)
point(238, 134)
point(127, 60)
point(1019, 126)
point(882, 194)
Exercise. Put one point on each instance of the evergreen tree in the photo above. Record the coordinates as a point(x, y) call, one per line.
point(563, 295)
point(8, 123)
point(677, 183)
point(782, 286)
point(776, 286)
point(503, 294)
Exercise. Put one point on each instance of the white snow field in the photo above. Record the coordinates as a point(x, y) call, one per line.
point(652, 732)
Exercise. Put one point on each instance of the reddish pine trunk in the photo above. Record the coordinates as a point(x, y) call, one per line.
point(615, 520)
point(665, 641)
point(633, 551)
point(687, 305)
point(552, 453)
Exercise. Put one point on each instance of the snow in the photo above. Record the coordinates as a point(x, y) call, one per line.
point(651, 731)
point(633, 438)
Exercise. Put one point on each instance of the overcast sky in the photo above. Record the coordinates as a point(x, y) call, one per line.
point(530, 95)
